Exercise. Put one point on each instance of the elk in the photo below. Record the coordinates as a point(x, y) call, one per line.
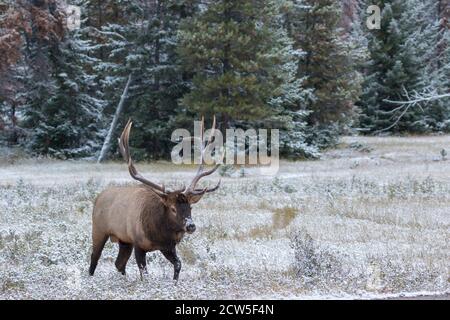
point(146, 217)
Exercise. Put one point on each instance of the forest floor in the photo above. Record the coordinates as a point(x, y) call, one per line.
point(369, 220)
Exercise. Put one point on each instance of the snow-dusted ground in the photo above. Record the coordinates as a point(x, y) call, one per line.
point(372, 219)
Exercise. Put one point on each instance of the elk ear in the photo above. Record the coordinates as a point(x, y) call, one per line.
point(194, 198)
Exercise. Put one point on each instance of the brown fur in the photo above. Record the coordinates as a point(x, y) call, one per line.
point(136, 216)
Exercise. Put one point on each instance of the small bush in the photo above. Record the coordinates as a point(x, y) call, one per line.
point(226, 170)
point(314, 265)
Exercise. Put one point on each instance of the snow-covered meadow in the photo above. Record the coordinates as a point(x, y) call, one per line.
point(371, 219)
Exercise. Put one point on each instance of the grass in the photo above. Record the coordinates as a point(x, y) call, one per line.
point(370, 218)
point(282, 217)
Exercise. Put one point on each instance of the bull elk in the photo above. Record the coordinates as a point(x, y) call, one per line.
point(146, 217)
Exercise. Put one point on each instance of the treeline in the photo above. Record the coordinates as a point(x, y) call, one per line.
point(311, 68)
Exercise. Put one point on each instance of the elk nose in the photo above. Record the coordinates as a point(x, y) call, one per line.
point(190, 227)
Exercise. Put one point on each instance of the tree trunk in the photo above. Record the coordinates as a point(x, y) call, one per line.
point(14, 136)
point(107, 142)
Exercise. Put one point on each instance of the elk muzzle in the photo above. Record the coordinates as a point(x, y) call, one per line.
point(189, 225)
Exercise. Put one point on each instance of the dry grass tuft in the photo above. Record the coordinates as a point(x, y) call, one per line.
point(282, 217)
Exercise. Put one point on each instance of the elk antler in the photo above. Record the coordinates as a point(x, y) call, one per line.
point(191, 189)
point(125, 151)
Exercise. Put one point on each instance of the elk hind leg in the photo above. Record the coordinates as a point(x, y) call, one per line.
point(125, 250)
point(98, 242)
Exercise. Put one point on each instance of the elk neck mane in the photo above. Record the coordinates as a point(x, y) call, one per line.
point(154, 218)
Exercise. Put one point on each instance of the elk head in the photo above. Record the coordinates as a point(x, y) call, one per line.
point(177, 202)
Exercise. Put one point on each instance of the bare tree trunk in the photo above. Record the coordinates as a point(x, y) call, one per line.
point(107, 142)
point(14, 135)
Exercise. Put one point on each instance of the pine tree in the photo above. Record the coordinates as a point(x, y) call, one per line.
point(142, 42)
point(41, 37)
point(329, 63)
point(157, 105)
point(58, 105)
point(432, 40)
point(403, 59)
point(241, 59)
point(64, 115)
point(25, 29)
point(444, 83)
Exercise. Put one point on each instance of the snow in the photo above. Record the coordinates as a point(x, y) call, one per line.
point(322, 229)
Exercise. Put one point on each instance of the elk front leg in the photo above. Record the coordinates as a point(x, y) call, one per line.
point(141, 261)
point(125, 250)
point(171, 255)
